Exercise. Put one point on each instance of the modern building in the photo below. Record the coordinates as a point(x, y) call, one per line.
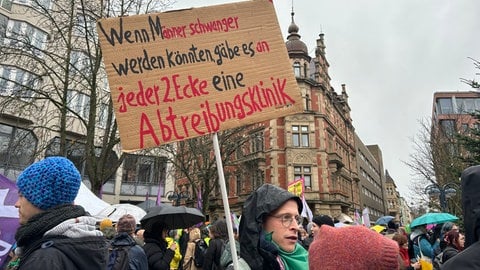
point(452, 117)
point(372, 180)
point(452, 111)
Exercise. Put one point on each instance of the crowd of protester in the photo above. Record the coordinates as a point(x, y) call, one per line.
point(271, 234)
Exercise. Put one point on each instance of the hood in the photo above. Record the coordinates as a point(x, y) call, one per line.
point(263, 201)
point(416, 233)
point(86, 252)
point(76, 228)
point(471, 204)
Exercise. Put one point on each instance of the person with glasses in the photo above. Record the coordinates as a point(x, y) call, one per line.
point(269, 228)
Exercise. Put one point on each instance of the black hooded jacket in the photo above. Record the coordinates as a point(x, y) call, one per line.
point(468, 258)
point(68, 253)
point(262, 202)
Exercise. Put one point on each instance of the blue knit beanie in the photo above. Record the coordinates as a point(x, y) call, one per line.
point(50, 182)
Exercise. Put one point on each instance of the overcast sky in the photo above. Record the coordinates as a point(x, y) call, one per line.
point(392, 56)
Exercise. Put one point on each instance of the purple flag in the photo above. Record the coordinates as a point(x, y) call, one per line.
point(159, 194)
point(8, 216)
point(199, 200)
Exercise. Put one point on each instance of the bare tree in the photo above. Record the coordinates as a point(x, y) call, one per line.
point(474, 84)
point(442, 152)
point(64, 91)
point(436, 160)
point(195, 165)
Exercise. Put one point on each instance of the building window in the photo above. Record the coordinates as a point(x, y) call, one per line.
point(257, 179)
point(85, 26)
point(448, 127)
point(6, 4)
point(257, 143)
point(17, 82)
point(297, 69)
point(45, 4)
point(79, 63)
point(78, 103)
point(103, 115)
point(304, 172)
point(465, 105)
point(308, 102)
point(17, 147)
point(445, 105)
point(140, 173)
point(3, 27)
point(239, 184)
point(300, 136)
point(24, 35)
point(239, 151)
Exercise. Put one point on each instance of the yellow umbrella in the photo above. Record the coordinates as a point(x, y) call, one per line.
point(378, 228)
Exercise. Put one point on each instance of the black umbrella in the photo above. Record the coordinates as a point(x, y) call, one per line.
point(173, 217)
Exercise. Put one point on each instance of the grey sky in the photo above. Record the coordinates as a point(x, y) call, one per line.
point(392, 56)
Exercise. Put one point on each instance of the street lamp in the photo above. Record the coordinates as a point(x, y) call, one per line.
point(177, 197)
point(443, 192)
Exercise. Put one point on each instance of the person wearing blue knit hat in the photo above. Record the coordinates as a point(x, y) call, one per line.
point(54, 233)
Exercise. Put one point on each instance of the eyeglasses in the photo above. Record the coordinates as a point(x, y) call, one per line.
point(287, 219)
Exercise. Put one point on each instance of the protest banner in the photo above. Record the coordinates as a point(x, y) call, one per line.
point(8, 216)
point(180, 74)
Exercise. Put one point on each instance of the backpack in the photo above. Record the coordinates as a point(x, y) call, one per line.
point(411, 243)
point(118, 258)
point(226, 257)
point(199, 254)
point(438, 261)
point(414, 244)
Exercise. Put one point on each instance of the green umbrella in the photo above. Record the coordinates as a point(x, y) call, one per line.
point(433, 218)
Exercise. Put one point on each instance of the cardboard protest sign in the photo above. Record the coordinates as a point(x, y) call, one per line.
point(186, 73)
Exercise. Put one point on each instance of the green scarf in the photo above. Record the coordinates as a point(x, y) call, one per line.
point(295, 260)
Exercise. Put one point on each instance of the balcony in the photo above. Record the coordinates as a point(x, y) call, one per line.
point(335, 158)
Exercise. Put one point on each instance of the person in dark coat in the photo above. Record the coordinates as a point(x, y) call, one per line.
point(159, 255)
point(455, 243)
point(183, 242)
point(269, 230)
point(320, 220)
point(468, 259)
point(54, 233)
point(218, 237)
point(124, 238)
